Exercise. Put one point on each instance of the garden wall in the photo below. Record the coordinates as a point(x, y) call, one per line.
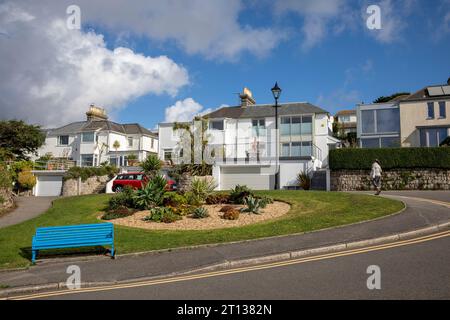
point(393, 179)
point(6, 199)
point(92, 185)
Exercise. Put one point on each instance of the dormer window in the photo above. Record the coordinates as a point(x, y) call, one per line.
point(216, 125)
point(63, 140)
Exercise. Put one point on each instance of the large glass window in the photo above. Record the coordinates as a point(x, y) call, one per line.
point(87, 137)
point(368, 121)
point(388, 120)
point(306, 125)
point(442, 111)
point(63, 140)
point(296, 123)
point(370, 143)
point(306, 148)
point(216, 125)
point(285, 152)
point(259, 127)
point(285, 128)
point(296, 149)
point(390, 142)
point(168, 154)
point(296, 126)
point(432, 137)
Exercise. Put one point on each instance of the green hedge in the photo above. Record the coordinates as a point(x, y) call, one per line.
point(86, 172)
point(390, 158)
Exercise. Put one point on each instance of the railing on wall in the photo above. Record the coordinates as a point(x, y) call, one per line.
point(54, 164)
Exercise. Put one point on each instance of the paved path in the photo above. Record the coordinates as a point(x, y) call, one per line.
point(27, 208)
point(419, 214)
point(413, 271)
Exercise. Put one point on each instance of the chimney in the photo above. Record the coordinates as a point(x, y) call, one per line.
point(96, 113)
point(246, 98)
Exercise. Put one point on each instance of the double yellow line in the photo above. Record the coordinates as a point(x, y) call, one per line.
point(237, 270)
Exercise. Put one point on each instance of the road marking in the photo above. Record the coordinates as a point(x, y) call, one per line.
point(238, 270)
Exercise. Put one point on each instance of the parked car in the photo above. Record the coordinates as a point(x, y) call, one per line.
point(136, 180)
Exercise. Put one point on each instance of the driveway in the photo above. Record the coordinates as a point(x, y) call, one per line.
point(27, 208)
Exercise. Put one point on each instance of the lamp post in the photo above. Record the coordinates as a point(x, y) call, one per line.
point(276, 91)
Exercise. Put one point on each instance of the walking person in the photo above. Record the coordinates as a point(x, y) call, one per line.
point(375, 174)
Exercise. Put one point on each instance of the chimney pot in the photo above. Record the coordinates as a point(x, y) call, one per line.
point(247, 98)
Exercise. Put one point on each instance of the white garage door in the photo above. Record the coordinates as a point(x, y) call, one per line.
point(49, 186)
point(249, 176)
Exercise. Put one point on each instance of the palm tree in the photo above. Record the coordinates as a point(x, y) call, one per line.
point(116, 145)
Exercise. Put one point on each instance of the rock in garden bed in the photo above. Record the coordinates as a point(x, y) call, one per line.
point(214, 221)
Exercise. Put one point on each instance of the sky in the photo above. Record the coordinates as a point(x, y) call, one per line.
point(152, 61)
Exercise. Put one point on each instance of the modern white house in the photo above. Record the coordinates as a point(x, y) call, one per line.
point(97, 140)
point(244, 141)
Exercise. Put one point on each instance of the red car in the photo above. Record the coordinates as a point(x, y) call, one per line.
point(136, 180)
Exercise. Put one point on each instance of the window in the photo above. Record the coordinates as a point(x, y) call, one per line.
point(285, 150)
point(130, 142)
point(307, 125)
point(296, 149)
point(168, 154)
point(368, 121)
point(63, 140)
point(216, 125)
point(285, 126)
point(370, 143)
point(344, 119)
point(259, 127)
point(113, 160)
point(152, 142)
point(442, 111)
point(296, 126)
point(390, 142)
point(432, 137)
point(430, 110)
point(87, 137)
point(87, 160)
point(387, 120)
point(306, 149)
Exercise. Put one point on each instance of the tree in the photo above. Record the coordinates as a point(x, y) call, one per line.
point(19, 140)
point(384, 99)
point(116, 146)
point(151, 165)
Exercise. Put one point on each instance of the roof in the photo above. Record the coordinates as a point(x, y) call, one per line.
point(345, 112)
point(423, 94)
point(87, 126)
point(265, 110)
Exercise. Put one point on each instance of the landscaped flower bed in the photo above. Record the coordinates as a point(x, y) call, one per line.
point(197, 208)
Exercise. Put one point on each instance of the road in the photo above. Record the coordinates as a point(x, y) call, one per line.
point(412, 269)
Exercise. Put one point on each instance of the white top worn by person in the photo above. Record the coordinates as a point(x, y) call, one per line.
point(376, 170)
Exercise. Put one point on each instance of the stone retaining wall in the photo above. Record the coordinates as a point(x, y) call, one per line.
point(399, 179)
point(92, 185)
point(7, 198)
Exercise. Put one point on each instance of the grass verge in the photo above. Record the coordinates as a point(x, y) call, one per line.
point(309, 211)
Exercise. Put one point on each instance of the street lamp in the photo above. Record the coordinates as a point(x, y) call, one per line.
point(276, 91)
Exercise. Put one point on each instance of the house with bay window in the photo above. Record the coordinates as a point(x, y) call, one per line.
point(417, 120)
point(97, 140)
point(247, 149)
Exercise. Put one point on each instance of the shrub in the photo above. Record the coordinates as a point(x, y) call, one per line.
point(162, 214)
point(264, 201)
point(239, 193)
point(200, 190)
point(390, 158)
point(218, 198)
point(86, 172)
point(152, 194)
point(2, 200)
point(231, 214)
point(226, 208)
point(174, 199)
point(253, 205)
point(26, 179)
point(182, 210)
point(5, 177)
point(120, 212)
point(200, 213)
point(304, 180)
point(122, 199)
point(151, 165)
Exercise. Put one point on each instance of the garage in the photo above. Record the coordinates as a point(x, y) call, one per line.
point(254, 177)
point(48, 184)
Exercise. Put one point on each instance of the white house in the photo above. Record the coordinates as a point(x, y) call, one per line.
point(244, 142)
point(97, 140)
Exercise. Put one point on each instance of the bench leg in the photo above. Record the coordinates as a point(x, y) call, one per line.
point(33, 256)
point(113, 252)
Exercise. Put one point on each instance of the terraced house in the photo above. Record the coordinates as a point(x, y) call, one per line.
point(247, 140)
point(97, 140)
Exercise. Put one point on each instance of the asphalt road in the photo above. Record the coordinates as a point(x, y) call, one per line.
point(410, 271)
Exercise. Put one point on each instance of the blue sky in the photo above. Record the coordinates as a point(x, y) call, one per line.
point(319, 51)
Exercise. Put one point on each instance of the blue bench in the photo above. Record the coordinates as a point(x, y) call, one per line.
point(85, 235)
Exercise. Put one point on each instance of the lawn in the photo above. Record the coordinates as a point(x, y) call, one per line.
point(310, 211)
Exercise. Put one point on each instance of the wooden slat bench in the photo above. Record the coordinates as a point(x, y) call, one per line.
point(85, 235)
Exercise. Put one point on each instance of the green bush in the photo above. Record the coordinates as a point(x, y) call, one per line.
point(390, 158)
point(86, 172)
point(239, 193)
point(162, 214)
point(2, 200)
point(118, 213)
point(200, 190)
point(232, 214)
point(304, 180)
point(264, 201)
point(253, 205)
point(200, 213)
point(174, 199)
point(152, 194)
point(5, 177)
point(122, 199)
point(151, 165)
point(218, 198)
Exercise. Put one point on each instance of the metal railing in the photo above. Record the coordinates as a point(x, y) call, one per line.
point(54, 164)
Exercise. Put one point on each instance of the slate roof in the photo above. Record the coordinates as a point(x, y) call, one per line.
point(86, 126)
point(422, 94)
point(265, 110)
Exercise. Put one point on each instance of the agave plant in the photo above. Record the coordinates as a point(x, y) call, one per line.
point(253, 205)
point(200, 213)
point(304, 180)
point(152, 194)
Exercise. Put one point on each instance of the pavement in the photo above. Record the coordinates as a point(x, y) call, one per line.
point(27, 208)
point(419, 214)
point(412, 271)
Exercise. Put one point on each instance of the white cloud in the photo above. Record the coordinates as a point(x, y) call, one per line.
point(50, 74)
point(184, 110)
